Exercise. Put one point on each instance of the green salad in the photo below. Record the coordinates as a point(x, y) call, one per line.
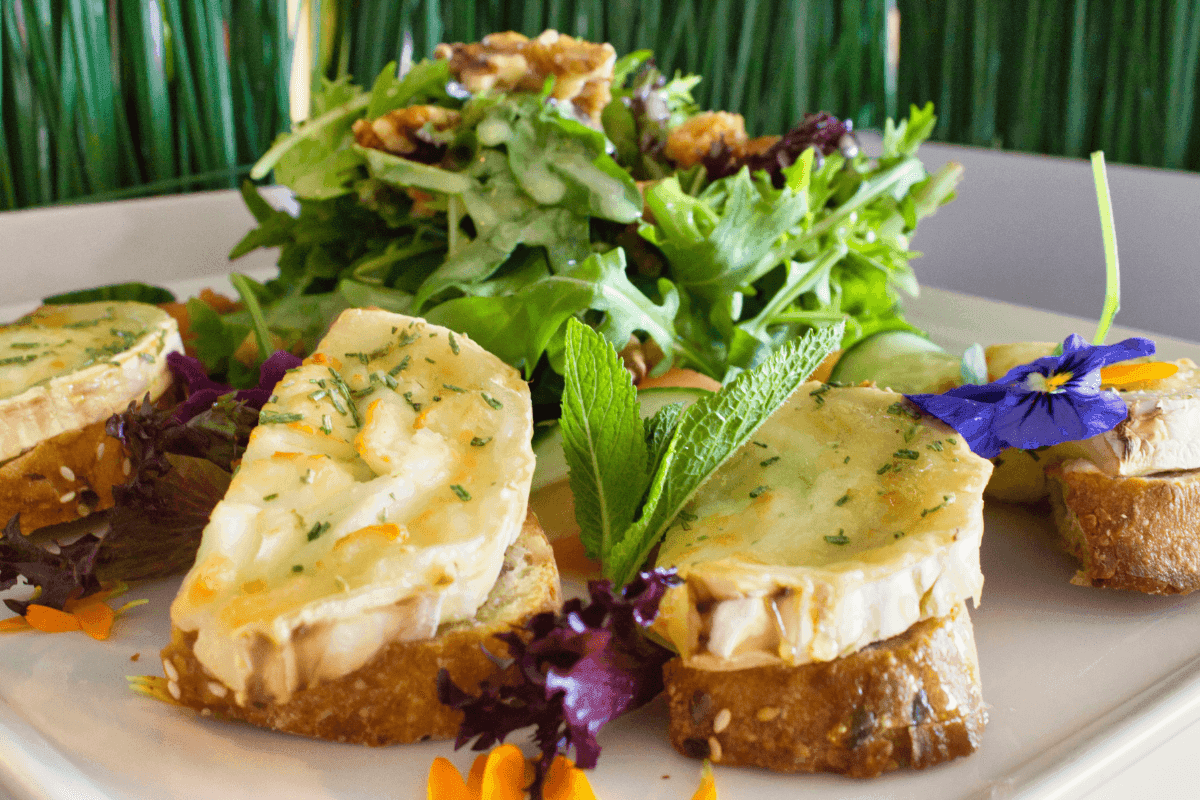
point(506, 213)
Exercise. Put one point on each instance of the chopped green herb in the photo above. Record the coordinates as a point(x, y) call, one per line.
point(477, 442)
point(952, 440)
point(900, 409)
point(326, 424)
point(24, 345)
point(408, 399)
point(4, 362)
point(147, 357)
point(911, 432)
point(407, 338)
point(270, 497)
point(403, 365)
point(911, 455)
point(819, 394)
point(430, 360)
point(886, 467)
point(758, 490)
point(768, 462)
point(453, 388)
point(389, 381)
point(278, 417)
point(491, 401)
point(937, 446)
point(340, 386)
point(367, 358)
point(453, 344)
point(317, 395)
point(437, 398)
point(846, 460)
point(938, 507)
point(462, 493)
point(297, 568)
point(760, 444)
point(841, 501)
point(841, 538)
point(898, 535)
point(316, 530)
point(1034, 455)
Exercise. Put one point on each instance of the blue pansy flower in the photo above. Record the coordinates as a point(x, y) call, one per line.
point(1052, 400)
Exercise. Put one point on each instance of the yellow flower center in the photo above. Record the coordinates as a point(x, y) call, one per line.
point(1048, 383)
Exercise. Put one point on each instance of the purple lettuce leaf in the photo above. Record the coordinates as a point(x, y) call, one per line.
point(203, 391)
point(61, 575)
point(822, 131)
point(577, 670)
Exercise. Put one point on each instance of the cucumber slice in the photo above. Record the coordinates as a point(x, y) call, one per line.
point(552, 464)
point(899, 360)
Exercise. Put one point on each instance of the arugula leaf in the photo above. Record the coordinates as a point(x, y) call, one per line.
point(603, 439)
point(723, 240)
point(425, 82)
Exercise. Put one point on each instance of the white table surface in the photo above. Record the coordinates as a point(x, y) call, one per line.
point(1024, 229)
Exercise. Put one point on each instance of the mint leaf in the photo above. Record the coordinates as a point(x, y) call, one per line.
point(660, 430)
point(603, 439)
point(708, 433)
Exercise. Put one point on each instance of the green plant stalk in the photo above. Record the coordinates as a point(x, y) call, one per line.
point(262, 332)
point(1112, 274)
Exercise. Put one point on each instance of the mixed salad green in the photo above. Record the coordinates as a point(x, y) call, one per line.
point(521, 217)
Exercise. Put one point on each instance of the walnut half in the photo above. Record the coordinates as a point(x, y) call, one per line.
point(508, 61)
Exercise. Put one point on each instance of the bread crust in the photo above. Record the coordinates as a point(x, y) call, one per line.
point(63, 478)
point(910, 701)
point(392, 699)
point(1134, 533)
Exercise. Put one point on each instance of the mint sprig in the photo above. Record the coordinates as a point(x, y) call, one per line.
point(631, 479)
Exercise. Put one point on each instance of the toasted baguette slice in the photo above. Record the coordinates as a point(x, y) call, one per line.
point(1137, 533)
point(391, 699)
point(63, 368)
point(63, 478)
point(910, 701)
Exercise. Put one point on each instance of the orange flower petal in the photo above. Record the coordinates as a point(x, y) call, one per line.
point(708, 786)
point(504, 774)
point(445, 782)
point(564, 781)
point(1121, 374)
point(475, 779)
point(95, 619)
point(13, 624)
point(50, 620)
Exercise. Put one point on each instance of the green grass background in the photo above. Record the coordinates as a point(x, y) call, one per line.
point(102, 99)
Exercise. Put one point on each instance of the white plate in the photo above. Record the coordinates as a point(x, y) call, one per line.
point(1078, 681)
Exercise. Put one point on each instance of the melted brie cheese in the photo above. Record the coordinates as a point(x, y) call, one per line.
point(65, 367)
point(844, 521)
point(374, 503)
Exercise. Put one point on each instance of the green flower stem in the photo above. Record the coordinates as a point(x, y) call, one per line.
point(1112, 279)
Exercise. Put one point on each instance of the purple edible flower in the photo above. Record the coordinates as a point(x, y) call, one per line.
point(577, 670)
point(203, 391)
point(1052, 400)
